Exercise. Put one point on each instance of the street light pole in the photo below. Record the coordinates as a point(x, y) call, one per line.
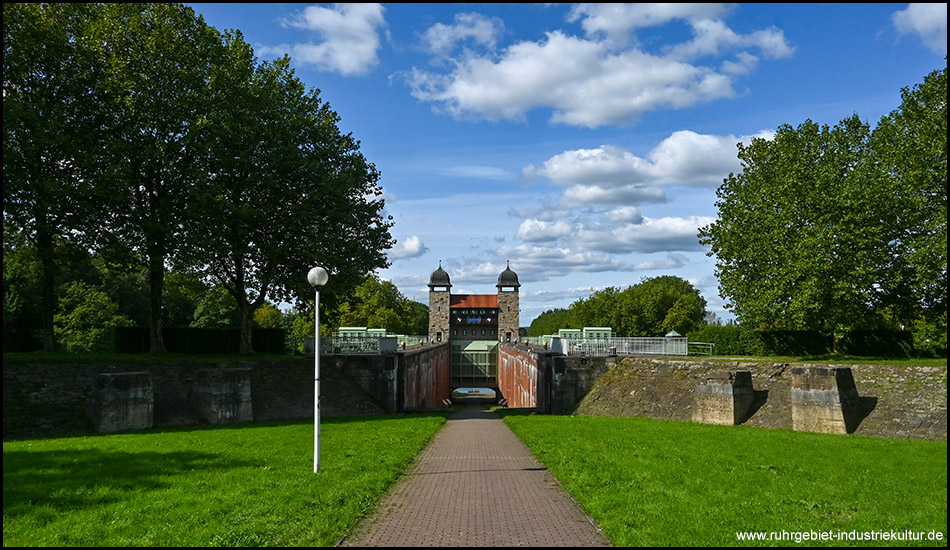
point(317, 277)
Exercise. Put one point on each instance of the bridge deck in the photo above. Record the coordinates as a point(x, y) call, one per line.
point(476, 484)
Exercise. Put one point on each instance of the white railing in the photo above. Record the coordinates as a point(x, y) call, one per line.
point(620, 346)
point(356, 345)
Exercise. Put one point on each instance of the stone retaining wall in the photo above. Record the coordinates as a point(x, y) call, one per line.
point(909, 402)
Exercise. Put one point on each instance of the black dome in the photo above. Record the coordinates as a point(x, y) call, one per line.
point(508, 278)
point(439, 278)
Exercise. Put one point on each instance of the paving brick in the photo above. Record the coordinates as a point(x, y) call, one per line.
point(476, 484)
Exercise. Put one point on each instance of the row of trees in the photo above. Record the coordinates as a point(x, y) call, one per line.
point(653, 307)
point(142, 133)
point(841, 228)
point(96, 296)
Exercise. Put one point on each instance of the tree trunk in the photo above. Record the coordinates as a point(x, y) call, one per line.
point(247, 320)
point(156, 277)
point(44, 246)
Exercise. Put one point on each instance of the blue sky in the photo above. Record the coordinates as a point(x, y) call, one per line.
point(582, 143)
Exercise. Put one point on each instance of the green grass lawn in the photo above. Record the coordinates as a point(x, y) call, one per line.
point(242, 485)
point(659, 483)
point(646, 482)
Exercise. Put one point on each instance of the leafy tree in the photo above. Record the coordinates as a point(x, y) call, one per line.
point(549, 322)
point(794, 244)
point(600, 309)
point(158, 60)
point(287, 189)
point(21, 292)
point(910, 146)
point(652, 307)
point(216, 309)
point(268, 316)
point(87, 319)
point(838, 229)
point(379, 304)
point(51, 123)
point(658, 305)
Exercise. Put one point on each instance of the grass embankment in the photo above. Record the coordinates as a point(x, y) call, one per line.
point(657, 483)
point(211, 486)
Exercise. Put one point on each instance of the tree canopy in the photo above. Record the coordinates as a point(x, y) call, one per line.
point(653, 307)
point(379, 304)
point(839, 228)
point(149, 136)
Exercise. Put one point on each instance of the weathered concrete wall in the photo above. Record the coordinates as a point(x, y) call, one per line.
point(824, 400)
point(44, 399)
point(724, 398)
point(223, 396)
point(121, 401)
point(894, 401)
point(572, 378)
point(520, 377)
point(425, 377)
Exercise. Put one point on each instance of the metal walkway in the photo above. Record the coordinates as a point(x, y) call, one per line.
point(476, 484)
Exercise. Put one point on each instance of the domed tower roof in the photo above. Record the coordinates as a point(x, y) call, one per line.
point(508, 278)
point(439, 278)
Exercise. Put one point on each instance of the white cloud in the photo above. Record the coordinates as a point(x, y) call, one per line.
point(618, 21)
point(626, 214)
point(579, 195)
point(714, 38)
point(652, 235)
point(477, 172)
point(606, 166)
point(672, 261)
point(411, 247)
point(533, 230)
point(539, 263)
point(441, 39)
point(613, 175)
point(349, 38)
point(928, 21)
point(591, 82)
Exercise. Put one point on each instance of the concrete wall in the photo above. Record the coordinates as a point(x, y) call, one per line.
point(572, 378)
point(43, 399)
point(891, 401)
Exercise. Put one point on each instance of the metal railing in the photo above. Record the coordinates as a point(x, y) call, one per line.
point(700, 348)
point(620, 346)
point(360, 345)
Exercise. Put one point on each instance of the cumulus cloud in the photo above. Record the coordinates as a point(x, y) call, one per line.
point(348, 38)
point(533, 230)
point(539, 263)
point(611, 175)
point(624, 214)
point(672, 261)
point(927, 21)
point(600, 79)
point(619, 21)
point(411, 247)
point(580, 195)
point(441, 39)
point(650, 235)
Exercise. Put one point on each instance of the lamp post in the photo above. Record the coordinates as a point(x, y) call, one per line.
point(317, 277)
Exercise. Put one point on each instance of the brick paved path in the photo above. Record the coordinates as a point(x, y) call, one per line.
point(476, 484)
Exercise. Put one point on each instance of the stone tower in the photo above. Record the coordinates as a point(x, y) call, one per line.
point(508, 306)
point(439, 294)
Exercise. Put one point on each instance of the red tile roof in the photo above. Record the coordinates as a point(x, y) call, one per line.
point(473, 300)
